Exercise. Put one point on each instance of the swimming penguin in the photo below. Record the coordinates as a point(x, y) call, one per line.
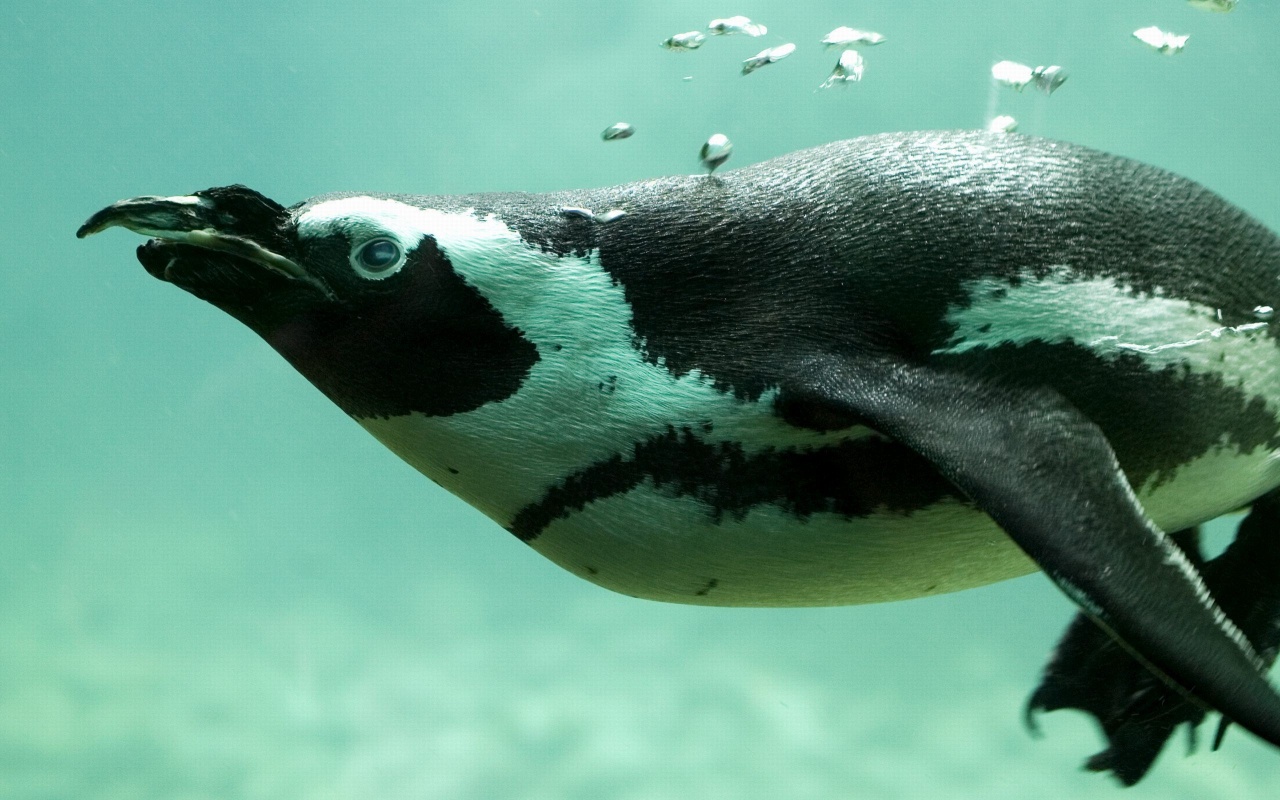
point(877, 369)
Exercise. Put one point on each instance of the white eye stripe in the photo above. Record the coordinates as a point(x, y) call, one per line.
point(363, 218)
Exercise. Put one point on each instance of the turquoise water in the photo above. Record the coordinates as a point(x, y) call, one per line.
point(214, 585)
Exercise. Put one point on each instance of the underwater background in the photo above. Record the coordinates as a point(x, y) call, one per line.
point(214, 585)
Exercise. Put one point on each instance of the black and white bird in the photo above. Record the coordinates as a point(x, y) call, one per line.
point(878, 369)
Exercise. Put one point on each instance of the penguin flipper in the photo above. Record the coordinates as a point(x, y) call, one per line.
point(1137, 712)
point(1047, 475)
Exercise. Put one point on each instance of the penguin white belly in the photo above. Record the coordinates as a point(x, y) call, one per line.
point(660, 542)
point(649, 544)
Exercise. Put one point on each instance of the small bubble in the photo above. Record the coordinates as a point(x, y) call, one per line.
point(618, 130)
point(716, 151)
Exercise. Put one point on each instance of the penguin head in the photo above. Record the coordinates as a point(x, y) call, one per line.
point(355, 291)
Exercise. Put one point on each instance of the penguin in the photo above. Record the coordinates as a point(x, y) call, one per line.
point(877, 369)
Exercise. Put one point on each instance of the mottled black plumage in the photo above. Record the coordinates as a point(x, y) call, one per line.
point(851, 479)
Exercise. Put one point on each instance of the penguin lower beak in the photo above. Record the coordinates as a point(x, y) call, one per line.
point(188, 219)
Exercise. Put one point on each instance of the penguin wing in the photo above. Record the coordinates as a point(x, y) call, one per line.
point(1047, 475)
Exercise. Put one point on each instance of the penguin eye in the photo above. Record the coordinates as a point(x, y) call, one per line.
point(377, 258)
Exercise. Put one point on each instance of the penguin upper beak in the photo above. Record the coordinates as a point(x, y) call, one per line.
point(189, 219)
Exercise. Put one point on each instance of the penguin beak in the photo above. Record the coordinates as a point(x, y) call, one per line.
point(184, 219)
point(201, 221)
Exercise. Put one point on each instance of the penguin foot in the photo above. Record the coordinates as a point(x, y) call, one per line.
point(1138, 712)
point(1245, 580)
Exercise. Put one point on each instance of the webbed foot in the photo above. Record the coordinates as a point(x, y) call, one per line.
point(1138, 712)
